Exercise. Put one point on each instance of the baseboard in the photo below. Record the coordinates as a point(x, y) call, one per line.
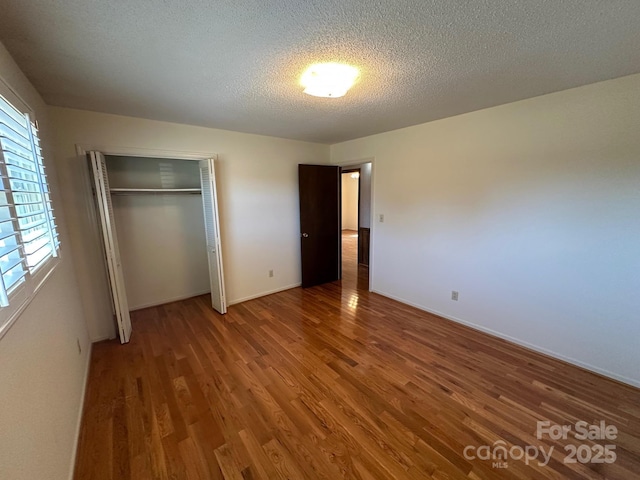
point(168, 300)
point(263, 294)
point(87, 369)
point(521, 343)
point(101, 339)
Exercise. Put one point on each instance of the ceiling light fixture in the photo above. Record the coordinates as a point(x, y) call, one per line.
point(328, 79)
point(355, 175)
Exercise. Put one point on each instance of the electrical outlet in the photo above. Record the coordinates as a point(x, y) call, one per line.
point(79, 347)
point(270, 273)
point(381, 218)
point(454, 295)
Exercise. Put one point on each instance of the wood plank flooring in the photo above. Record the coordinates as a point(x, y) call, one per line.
point(333, 382)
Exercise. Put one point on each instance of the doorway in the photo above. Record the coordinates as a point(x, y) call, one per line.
point(355, 203)
point(350, 199)
point(334, 236)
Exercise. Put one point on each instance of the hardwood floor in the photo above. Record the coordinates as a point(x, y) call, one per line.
point(334, 382)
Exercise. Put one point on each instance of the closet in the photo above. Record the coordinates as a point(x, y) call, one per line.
point(160, 231)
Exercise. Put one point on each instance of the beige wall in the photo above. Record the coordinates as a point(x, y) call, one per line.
point(530, 210)
point(349, 202)
point(41, 372)
point(365, 195)
point(257, 189)
point(162, 247)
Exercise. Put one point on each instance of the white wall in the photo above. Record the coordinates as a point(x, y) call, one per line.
point(162, 247)
point(258, 197)
point(349, 202)
point(530, 210)
point(365, 195)
point(364, 192)
point(161, 238)
point(41, 372)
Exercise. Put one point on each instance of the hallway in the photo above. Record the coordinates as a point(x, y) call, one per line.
point(354, 276)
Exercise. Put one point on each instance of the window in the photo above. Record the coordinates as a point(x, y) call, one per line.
point(28, 235)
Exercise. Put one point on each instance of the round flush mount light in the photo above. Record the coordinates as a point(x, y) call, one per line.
point(328, 79)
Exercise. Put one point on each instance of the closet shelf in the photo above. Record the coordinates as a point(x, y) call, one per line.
point(130, 191)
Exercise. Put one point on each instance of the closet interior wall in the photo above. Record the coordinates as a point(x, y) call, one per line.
point(161, 234)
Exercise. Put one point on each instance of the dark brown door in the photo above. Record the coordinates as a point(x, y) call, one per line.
point(320, 223)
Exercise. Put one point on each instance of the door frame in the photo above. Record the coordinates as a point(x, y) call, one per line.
point(115, 150)
point(345, 165)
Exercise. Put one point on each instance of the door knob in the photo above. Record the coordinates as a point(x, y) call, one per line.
point(305, 235)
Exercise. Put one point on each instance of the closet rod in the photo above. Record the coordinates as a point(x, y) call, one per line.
point(135, 191)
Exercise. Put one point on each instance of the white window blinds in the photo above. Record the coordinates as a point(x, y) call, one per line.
point(28, 235)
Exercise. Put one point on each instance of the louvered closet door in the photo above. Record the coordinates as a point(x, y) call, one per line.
point(212, 229)
point(110, 238)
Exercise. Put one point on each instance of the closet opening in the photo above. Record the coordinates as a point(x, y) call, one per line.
point(160, 231)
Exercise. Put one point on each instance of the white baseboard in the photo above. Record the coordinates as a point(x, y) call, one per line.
point(592, 368)
point(263, 294)
point(168, 300)
point(74, 455)
point(101, 339)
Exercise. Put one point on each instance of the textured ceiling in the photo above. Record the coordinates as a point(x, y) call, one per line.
point(235, 64)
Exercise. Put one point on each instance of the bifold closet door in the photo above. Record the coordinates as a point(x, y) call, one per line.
point(212, 229)
point(105, 211)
